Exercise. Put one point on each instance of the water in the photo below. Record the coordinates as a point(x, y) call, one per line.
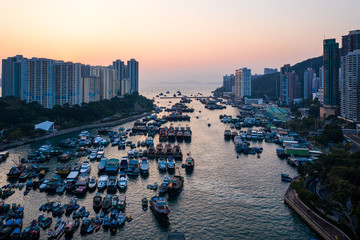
point(224, 198)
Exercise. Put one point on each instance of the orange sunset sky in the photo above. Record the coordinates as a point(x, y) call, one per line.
point(198, 40)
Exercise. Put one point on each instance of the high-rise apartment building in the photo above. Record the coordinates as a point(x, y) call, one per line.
point(289, 85)
point(13, 77)
point(40, 81)
point(350, 42)
point(270, 70)
point(90, 89)
point(125, 86)
point(68, 83)
point(308, 82)
point(228, 82)
point(109, 84)
point(350, 89)
point(132, 71)
point(321, 77)
point(243, 82)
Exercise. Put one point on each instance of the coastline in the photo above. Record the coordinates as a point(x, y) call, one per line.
point(74, 129)
point(322, 227)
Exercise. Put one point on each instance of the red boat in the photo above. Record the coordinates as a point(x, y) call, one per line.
point(176, 182)
point(159, 206)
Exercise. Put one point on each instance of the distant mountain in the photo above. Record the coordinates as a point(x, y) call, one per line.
point(189, 82)
point(266, 84)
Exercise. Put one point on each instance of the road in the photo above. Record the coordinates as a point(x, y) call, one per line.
point(356, 141)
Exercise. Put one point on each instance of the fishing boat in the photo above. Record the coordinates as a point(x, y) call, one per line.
point(122, 183)
point(92, 183)
point(107, 202)
point(170, 164)
point(102, 164)
point(144, 165)
point(159, 206)
point(112, 184)
point(103, 182)
point(159, 150)
point(97, 201)
point(106, 221)
point(69, 229)
point(176, 182)
point(84, 226)
point(177, 152)
point(227, 134)
point(123, 165)
point(285, 178)
point(121, 219)
point(168, 150)
point(15, 233)
point(113, 225)
point(114, 202)
point(189, 162)
point(133, 168)
point(60, 188)
point(122, 202)
point(59, 231)
point(162, 164)
point(151, 152)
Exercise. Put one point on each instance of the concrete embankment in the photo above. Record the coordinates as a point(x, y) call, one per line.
point(75, 129)
point(323, 228)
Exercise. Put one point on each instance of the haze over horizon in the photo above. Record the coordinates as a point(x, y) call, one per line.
point(181, 41)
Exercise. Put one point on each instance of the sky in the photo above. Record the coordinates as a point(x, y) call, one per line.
point(175, 41)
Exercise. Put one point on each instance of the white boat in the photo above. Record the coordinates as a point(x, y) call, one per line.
point(162, 164)
point(122, 183)
point(85, 167)
point(144, 165)
point(103, 181)
point(92, 155)
point(93, 182)
point(254, 134)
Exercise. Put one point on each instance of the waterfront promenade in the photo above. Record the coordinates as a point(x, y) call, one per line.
point(74, 129)
point(322, 227)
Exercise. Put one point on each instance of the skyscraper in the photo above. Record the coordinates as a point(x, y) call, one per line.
point(68, 83)
point(308, 82)
point(120, 67)
point(13, 77)
point(350, 89)
point(331, 64)
point(270, 70)
point(133, 74)
point(243, 82)
point(109, 84)
point(228, 82)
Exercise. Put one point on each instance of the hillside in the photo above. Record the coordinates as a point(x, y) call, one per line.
point(267, 84)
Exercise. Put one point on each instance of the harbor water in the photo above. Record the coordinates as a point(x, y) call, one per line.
point(227, 196)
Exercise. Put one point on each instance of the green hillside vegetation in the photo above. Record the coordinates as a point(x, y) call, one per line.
point(19, 117)
point(266, 85)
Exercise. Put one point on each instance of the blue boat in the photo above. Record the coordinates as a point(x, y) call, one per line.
point(112, 166)
point(17, 223)
point(106, 222)
point(133, 168)
point(16, 233)
point(113, 225)
point(9, 223)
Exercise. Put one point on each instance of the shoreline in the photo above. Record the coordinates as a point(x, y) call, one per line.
point(74, 129)
point(321, 226)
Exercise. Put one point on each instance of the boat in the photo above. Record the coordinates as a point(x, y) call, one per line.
point(85, 167)
point(113, 225)
point(112, 166)
point(227, 134)
point(114, 202)
point(59, 231)
point(162, 164)
point(144, 165)
point(92, 226)
point(102, 164)
point(189, 162)
point(121, 219)
point(106, 221)
point(177, 152)
point(170, 164)
point(159, 206)
point(92, 183)
point(103, 182)
point(122, 183)
point(16, 233)
point(97, 201)
point(107, 202)
point(122, 202)
point(159, 150)
point(69, 229)
point(81, 185)
point(45, 222)
point(60, 188)
point(151, 152)
point(123, 165)
point(133, 168)
point(144, 203)
point(176, 182)
point(112, 184)
point(285, 178)
point(84, 226)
